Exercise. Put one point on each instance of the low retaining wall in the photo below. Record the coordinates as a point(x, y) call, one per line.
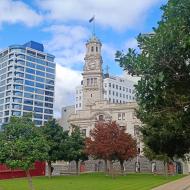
point(7, 173)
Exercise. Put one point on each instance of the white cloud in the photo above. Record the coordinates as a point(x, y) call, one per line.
point(120, 14)
point(131, 43)
point(16, 12)
point(66, 81)
point(67, 43)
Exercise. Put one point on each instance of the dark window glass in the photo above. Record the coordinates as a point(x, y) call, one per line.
point(49, 111)
point(39, 85)
point(30, 83)
point(38, 110)
point(50, 64)
point(50, 70)
point(28, 95)
point(29, 89)
point(48, 99)
point(49, 87)
point(50, 76)
point(48, 117)
point(29, 76)
point(39, 91)
point(38, 103)
point(28, 102)
point(38, 97)
point(40, 73)
point(28, 70)
point(37, 122)
point(29, 64)
point(18, 87)
point(49, 81)
point(39, 79)
point(42, 68)
point(48, 93)
point(28, 108)
point(48, 105)
point(38, 116)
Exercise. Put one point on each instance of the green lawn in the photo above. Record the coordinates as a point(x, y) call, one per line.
point(89, 182)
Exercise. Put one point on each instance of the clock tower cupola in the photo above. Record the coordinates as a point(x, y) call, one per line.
point(92, 74)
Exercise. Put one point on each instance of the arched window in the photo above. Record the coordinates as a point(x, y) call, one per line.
point(96, 49)
point(92, 49)
point(101, 118)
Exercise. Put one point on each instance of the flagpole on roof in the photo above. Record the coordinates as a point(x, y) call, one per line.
point(93, 26)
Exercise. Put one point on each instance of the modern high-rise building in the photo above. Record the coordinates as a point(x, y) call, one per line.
point(27, 80)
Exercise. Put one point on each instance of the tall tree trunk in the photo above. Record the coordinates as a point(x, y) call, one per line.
point(111, 169)
point(122, 167)
point(49, 169)
point(106, 166)
point(77, 167)
point(29, 180)
point(166, 168)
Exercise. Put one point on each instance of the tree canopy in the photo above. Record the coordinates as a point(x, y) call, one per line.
point(74, 147)
point(55, 138)
point(21, 144)
point(163, 92)
point(110, 142)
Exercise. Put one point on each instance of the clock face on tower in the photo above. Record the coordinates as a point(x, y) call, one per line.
point(92, 65)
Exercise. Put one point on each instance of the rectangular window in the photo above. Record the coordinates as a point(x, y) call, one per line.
point(48, 105)
point(28, 108)
point(38, 97)
point(29, 76)
point(42, 68)
point(39, 91)
point(37, 103)
point(30, 102)
point(29, 64)
point(30, 83)
point(28, 95)
point(39, 79)
point(28, 70)
point(49, 81)
point(29, 89)
point(48, 87)
point(47, 117)
point(48, 93)
point(40, 73)
point(50, 76)
point(39, 85)
point(123, 116)
point(48, 111)
point(119, 116)
point(38, 110)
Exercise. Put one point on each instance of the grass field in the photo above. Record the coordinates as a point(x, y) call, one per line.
point(89, 182)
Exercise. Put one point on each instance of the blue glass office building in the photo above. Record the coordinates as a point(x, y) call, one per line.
point(27, 82)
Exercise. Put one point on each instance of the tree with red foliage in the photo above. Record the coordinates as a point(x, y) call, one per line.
point(110, 142)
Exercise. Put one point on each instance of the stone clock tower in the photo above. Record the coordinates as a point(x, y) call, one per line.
point(92, 74)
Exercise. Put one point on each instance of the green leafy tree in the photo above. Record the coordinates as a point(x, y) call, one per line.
point(163, 92)
point(74, 147)
point(55, 137)
point(21, 144)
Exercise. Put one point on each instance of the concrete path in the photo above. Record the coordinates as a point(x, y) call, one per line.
point(180, 184)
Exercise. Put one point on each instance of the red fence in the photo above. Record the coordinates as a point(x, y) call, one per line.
point(6, 173)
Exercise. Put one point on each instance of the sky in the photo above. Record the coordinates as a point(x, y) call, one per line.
point(63, 27)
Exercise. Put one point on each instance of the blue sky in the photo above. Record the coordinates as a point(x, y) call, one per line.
point(63, 27)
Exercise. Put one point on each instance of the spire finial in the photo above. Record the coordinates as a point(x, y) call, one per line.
point(107, 69)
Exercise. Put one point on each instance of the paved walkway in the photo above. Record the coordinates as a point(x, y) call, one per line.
point(180, 184)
